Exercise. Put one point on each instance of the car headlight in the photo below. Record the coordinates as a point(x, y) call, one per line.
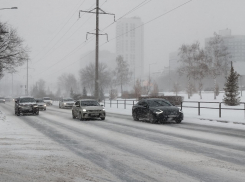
point(84, 110)
point(44, 105)
point(64, 103)
point(103, 109)
point(158, 111)
point(180, 110)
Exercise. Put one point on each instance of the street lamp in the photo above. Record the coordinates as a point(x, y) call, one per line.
point(9, 8)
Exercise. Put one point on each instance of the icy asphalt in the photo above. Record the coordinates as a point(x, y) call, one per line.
point(55, 147)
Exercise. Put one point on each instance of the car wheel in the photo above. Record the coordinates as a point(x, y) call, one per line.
point(80, 117)
point(18, 113)
point(73, 116)
point(152, 118)
point(135, 116)
point(178, 121)
point(102, 118)
point(59, 105)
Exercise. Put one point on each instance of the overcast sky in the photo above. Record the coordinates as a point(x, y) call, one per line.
point(56, 36)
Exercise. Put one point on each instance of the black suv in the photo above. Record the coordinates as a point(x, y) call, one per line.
point(26, 105)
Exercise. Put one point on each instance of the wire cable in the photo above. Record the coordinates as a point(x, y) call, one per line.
point(128, 31)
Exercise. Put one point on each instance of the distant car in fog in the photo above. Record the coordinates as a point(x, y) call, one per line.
point(2, 100)
point(66, 103)
point(8, 99)
point(48, 101)
point(41, 104)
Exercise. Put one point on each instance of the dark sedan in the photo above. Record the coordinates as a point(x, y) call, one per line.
point(156, 111)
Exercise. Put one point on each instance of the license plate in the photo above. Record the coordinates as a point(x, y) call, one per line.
point(94, 114)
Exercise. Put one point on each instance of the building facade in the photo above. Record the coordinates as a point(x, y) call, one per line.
point(130, 44)
point(236, 48)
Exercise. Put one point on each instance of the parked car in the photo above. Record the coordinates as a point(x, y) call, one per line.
point(26, 105)
point(88, 108)
point(2, 100)
point(156, 110)
point(41, 104)
point(66, 103)
point(48, 101)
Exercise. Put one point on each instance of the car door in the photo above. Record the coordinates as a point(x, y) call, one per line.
point(144, 109)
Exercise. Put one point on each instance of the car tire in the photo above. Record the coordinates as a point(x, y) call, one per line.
point(178, 121)
point(80, 116)
point(18, 113)
point(59, 105)
point(73, 116)
point(102, 118)
point(135, 116)
point(152, 118)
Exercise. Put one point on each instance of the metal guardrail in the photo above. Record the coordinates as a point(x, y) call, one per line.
point(219, 106)
point(199, 107)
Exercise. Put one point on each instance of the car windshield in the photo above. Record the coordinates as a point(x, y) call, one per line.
point(90, 103)
point(157, 103)
point(67, 99)
point(22, 100)
point(46, 98)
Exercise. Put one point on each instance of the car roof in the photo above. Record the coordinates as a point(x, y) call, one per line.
point(87, 100)
point(21, 97)
point(153, 99)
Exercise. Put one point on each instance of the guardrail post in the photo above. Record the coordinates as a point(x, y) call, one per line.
point(181, 105)
point(125, 104)
point(110, 103)
point(133, 102)
point(220, 110)
point(104, 102)
point(198, 108)
point(117, 103)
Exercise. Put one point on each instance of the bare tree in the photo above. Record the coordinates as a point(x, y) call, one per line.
point(155, 90)
point(12, 51)
point(122, 72)
point(188, 55)
point(67, 82)
point(137, 88)
point(218, 57)
point(87, 76)
point(176, 88)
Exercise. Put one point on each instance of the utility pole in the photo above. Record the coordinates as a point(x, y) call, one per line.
point(27, 79)
point(98, 11)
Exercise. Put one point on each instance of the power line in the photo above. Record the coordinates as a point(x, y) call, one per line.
point(53, 47)
point(59, 30)
point(126, 32)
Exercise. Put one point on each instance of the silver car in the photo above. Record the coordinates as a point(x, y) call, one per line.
point(2, 100)
point(88, 108)
point(41, 104)
point(66, 103)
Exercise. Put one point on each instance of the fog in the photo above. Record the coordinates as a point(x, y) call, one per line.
point(56, 36)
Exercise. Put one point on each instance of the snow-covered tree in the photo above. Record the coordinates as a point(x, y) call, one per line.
point(231, 96)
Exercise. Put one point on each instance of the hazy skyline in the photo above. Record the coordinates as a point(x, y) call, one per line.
point(56, 36)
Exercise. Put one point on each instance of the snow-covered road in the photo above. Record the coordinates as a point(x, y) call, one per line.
point(55, 147)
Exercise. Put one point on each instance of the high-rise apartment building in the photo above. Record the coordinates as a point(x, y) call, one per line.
point(236, 47)
point(130, 44)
